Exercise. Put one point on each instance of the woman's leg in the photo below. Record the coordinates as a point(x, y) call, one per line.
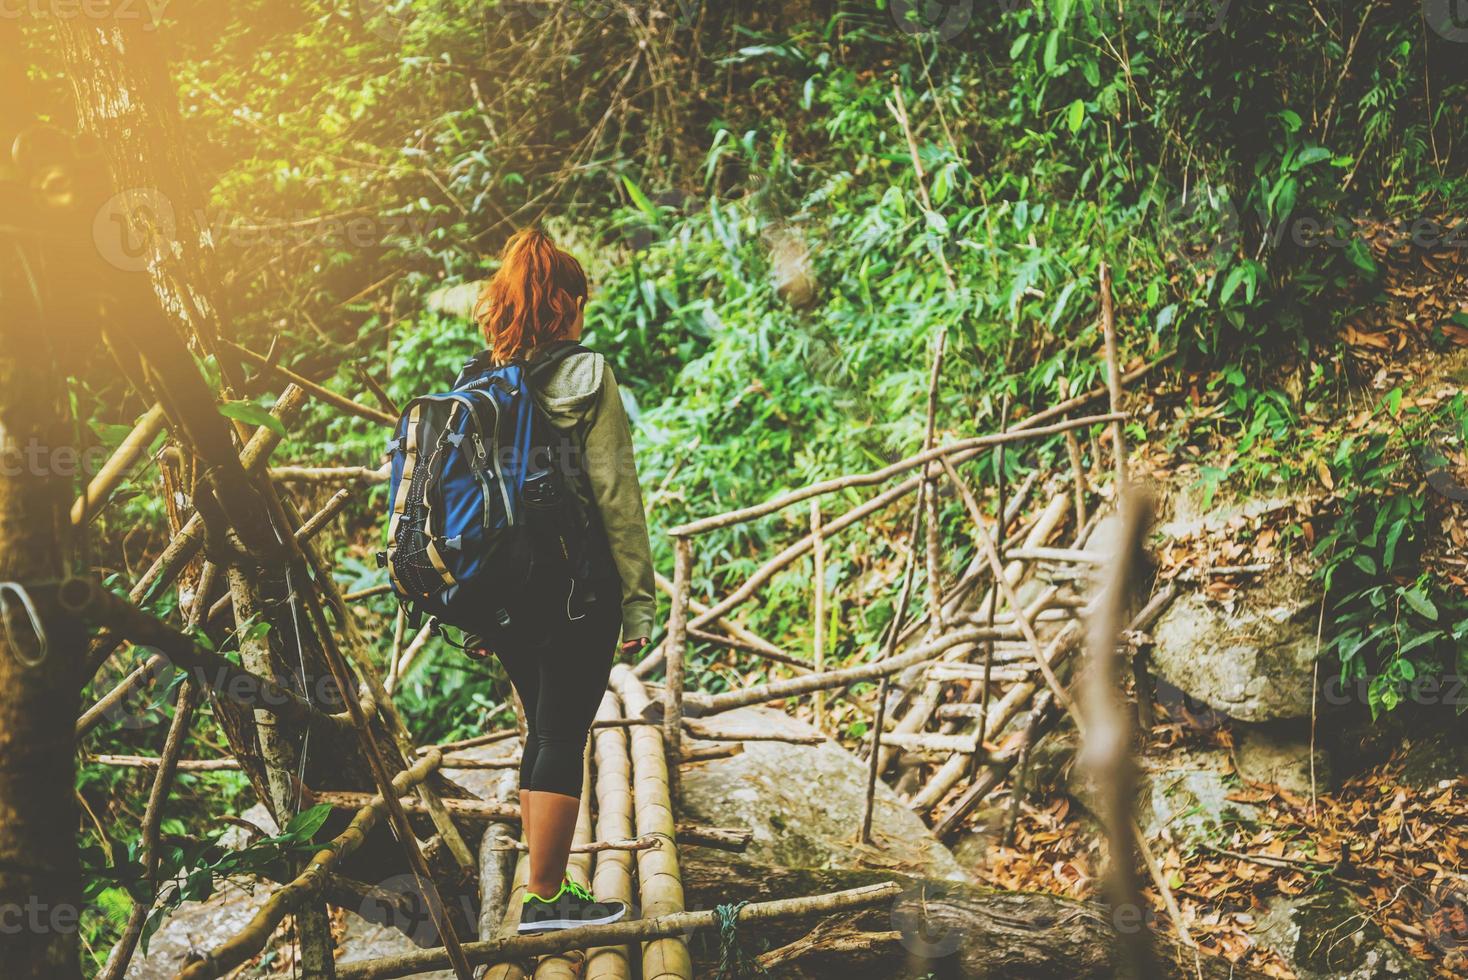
point(573, 678)
point(524, 669)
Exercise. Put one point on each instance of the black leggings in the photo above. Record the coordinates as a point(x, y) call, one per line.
point(561, 677)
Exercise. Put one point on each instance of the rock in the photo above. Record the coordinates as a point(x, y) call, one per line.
point(804, 804)
point(199, 926)
point(1187, 801)
point(1280, 756)
point(1328, 936)
point(1253, 658)
point(1431, 760)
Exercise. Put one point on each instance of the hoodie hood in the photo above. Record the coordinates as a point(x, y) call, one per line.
point(571, 390)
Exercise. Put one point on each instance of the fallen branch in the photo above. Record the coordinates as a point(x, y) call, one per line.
point(252, 938)
point(650, 930)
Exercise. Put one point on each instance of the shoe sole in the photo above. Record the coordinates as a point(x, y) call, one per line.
point(555, 925)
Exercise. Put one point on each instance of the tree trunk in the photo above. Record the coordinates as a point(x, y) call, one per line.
point(41, 312)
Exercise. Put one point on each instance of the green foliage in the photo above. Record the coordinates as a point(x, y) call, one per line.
point(189, 868)
point(1391, 621)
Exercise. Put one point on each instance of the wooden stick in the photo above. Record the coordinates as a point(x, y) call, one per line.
point(1077, 466)
point(475, 811)
point(1002, 580)
point(653, 930)
point(245, 944)
point(795, 686)
point(1077, 556)
point(1113, 378)
point(894, 630)
point(818, 611)
point(312, 388)
point(496, 868)
point(368, 592)
point(232, 682)
point(181, 765)
point(622, 846)
point(397, 818)
point(329, 474)
point(171, 561)
point(674, 649)
point(1019, 432)
point(733, 643)
point(127, 453)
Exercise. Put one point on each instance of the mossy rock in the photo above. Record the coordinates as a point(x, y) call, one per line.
point(1328, 936)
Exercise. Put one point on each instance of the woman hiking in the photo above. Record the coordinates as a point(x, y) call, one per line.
point(532, 312)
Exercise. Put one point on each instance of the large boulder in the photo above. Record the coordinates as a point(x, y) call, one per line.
point(1329, 936)
point(1251, 658)
point(804, 804)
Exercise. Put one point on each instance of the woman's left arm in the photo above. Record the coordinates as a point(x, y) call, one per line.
point(612, 468)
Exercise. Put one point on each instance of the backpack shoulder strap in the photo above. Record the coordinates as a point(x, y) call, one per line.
point(553, 355)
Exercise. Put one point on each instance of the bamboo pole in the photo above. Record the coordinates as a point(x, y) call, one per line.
point(329, 474)
point(127, 453)
point(948, 776)
point(508, 967)
point(661, 885)
point(245, 944)
point(996, 563)
point(651, 929)
point(1077, 466)
point(496, 867)
point(567, 965)
point(613, 877)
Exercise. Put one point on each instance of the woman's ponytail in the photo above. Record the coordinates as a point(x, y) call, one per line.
point(534, 297)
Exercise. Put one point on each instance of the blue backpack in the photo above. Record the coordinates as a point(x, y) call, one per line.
point(484, 531)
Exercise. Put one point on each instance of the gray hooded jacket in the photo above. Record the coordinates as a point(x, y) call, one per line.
point(581, 394)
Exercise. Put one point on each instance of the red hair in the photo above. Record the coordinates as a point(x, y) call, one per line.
point(533, 298)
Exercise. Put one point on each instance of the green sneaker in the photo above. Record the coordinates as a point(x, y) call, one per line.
point(569, 908)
